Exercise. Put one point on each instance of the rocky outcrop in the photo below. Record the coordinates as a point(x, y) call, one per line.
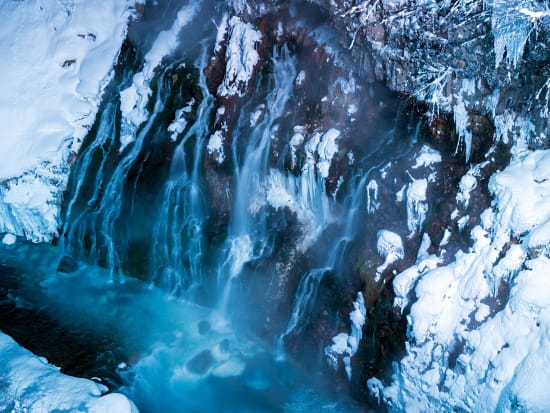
point(472, 59)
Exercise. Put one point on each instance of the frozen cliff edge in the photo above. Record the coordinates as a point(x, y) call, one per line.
point(56, 59)
point(37, 386)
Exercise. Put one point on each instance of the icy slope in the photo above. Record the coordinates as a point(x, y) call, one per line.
point(40, 387)
point(56, 58)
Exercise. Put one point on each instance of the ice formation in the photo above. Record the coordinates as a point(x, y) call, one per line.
point(417, 207)
point(426, 157)
point(389, 247)
point(215, 146)
point(345, 345)
point(134, 99)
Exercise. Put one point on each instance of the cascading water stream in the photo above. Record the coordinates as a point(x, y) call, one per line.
point(349, 223)
point(95, 226)
point(178, 244)
point(247, 231)
point(310, 281)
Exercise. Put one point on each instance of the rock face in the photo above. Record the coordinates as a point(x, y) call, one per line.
point(479, 61)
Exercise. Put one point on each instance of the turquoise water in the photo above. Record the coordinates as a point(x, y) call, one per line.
point(174, 356)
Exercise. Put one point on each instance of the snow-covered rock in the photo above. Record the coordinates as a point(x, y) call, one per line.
point(55, 60)
point(467, 352)
point(242, 57)
point(30, 384)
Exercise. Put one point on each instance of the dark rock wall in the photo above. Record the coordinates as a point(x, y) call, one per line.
point(492, 57)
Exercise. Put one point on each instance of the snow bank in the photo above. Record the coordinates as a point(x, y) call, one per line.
point(467, 351)
point(30, 384)
point(56, 57)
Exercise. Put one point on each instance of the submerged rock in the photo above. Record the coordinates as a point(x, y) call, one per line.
point(67, 265)
point(201, 363)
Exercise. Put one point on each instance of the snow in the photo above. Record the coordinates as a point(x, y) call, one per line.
point(426, 157)
point(29, 383)
point(179, 123)
point(56, 59)
point(300, 78)
point(372, 196)
point(500, 364)
point(134, 99)
point(327, 149)
point(215, 146)
point(296, 140)
point(390, 247)
point(466, 185)
point(241, 56)
point(220, 35)
point(417, 207)
point(345, 345)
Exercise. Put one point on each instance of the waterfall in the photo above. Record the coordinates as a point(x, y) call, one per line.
point(96, 225)
point(247, 236)
point(178, 244)
point(355, 205)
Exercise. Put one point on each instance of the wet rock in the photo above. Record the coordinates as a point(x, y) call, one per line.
point(67, 265)
point(201, 363)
